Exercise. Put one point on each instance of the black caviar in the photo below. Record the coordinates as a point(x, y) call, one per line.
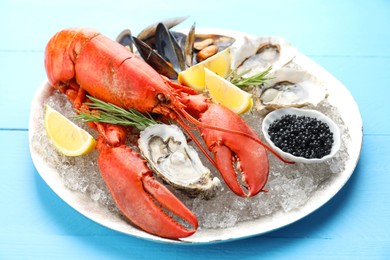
point(301, 136)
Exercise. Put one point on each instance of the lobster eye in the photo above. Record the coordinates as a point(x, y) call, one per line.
point(162, 98)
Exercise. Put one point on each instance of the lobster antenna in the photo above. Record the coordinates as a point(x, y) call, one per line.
point(186, 128)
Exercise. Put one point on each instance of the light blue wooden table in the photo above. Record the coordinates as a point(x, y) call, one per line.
point(351, 39)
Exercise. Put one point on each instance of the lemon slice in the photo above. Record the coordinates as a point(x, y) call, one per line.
point(227, 94)
point(193, 77)
point(67, 138)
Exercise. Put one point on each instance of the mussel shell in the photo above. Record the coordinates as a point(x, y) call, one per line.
point(154, 59)
point(124, 38)
point(175, 50)
point(221, 41)
point(168, 48)
point(147, 34)
point(180, 38)
point(186, 42)
point(189, 46)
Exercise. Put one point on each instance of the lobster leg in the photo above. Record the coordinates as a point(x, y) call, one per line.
point(136, 191)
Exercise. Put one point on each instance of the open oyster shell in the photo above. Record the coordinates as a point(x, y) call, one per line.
point(258, 54)
point(166, 149)
point(292, 88)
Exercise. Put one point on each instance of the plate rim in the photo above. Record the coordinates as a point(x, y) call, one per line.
point(222, 235)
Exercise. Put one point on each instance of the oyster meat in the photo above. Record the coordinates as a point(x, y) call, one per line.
point(168, 154)
point(292, 88)
point(258, 54)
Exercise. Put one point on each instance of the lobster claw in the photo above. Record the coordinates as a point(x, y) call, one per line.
point(248, 158)
point(136, 191)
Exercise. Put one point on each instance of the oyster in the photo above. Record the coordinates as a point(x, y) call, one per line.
point(166, 149)
point(258, 54)
point(292, 88)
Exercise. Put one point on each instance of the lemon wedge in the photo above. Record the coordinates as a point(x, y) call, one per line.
point(194, 77)
point(67, 138)
point(224, 92)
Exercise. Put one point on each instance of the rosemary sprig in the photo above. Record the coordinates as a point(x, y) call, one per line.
point(254, 80)
point(112, 114)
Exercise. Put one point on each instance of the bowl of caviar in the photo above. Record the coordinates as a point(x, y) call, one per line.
point(301, 135)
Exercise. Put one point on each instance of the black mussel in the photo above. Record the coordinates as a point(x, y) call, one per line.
point(124, 38)
point(168, 48)
point(180, 38)
point(147, 34)
point(221, 41)
point(196, 47)
point(154, 59)
point(186, 43)
point(189, 46)
point(170, 52)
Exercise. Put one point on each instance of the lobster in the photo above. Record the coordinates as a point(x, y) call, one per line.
point(80, 61)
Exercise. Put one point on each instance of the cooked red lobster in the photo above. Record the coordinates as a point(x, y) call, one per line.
point(83, 61)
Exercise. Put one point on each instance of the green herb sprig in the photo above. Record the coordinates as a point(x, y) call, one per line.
point(112, 114)
point(254, 80)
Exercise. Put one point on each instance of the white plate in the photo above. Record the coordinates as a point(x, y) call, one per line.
point(339, 97)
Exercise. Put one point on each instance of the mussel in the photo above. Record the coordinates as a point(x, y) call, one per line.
point(168, 48)
point(125, 39)
point(147, 35)
point(170, 52)
point(154, 59)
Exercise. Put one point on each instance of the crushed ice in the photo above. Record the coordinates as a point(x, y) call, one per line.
point(289, 186)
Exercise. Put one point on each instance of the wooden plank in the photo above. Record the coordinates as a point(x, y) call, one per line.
point(350, 39)
point(22, 73)
point(119, 247)
point(316, 28)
